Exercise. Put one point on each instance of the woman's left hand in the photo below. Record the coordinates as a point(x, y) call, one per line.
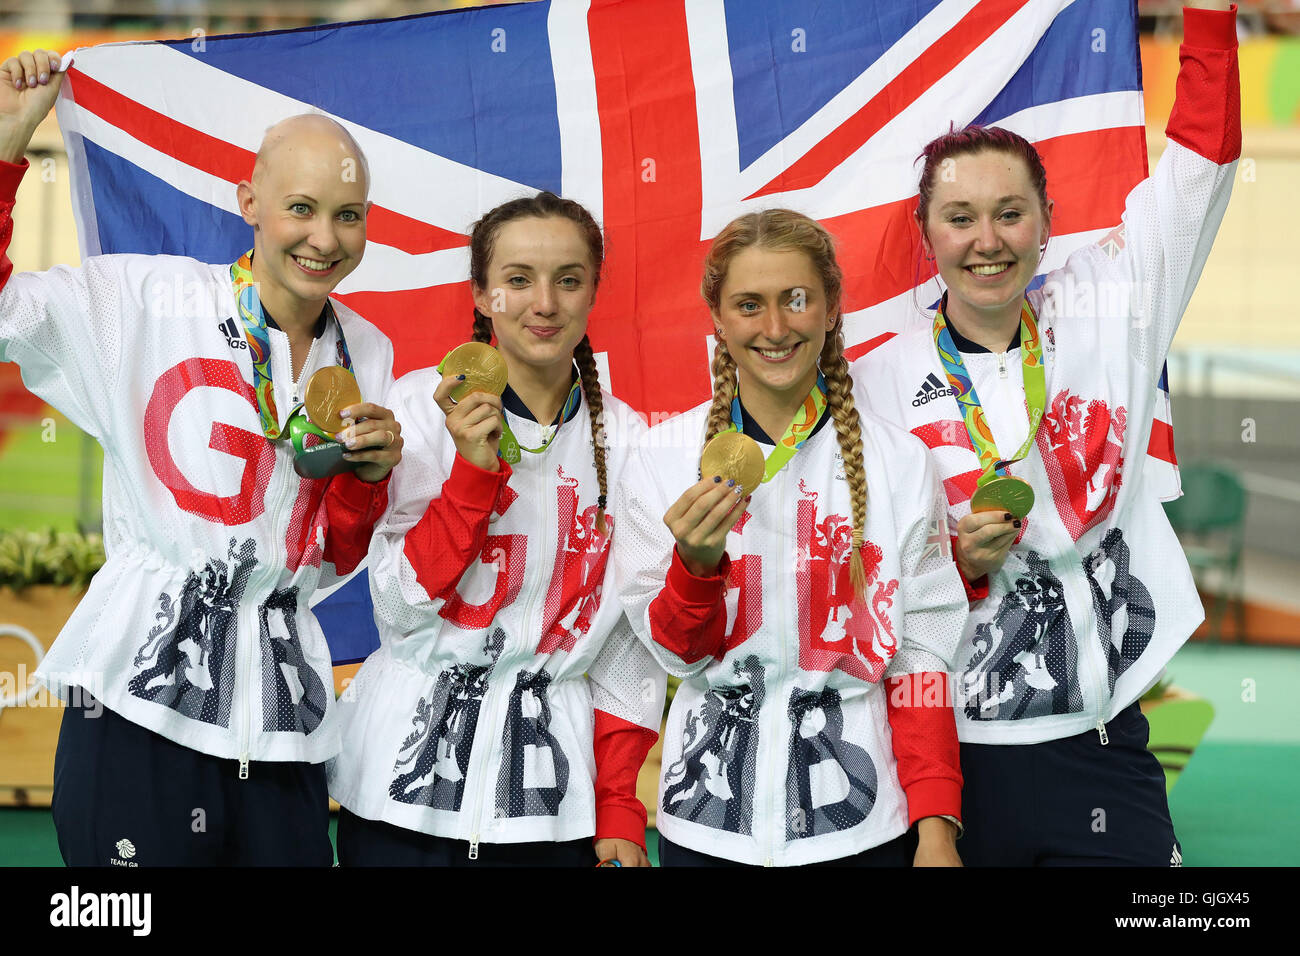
point(373, 437)
point(937, 843)
point(625, 851)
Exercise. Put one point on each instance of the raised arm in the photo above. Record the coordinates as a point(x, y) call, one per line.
point(1171, 219)
point(67, 342)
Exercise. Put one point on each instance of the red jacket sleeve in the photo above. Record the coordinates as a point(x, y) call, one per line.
point(352, 507)
point(1206, 117)
point(11, 174)
point(925, 744)
point(689, 617)
point(620, 748)
point(453, 529)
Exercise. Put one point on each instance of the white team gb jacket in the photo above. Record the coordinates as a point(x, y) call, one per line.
point(198, 626)
point(1095, 595)
point(780, 751)
point(500, 632)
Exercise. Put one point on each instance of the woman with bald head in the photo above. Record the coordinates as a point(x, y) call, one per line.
point(245, 462)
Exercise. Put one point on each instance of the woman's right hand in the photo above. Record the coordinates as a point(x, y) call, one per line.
point(474, 423)
point(700, 520)
point(25, 98)
point(983, 540)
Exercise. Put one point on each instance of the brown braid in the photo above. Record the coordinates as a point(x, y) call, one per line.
point(844, 415)
point(483, 234)
point(590, 377)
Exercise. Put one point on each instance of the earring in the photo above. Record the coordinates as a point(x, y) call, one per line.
point(718, 333)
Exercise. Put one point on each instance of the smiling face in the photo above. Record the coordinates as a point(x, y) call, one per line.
point(307, 205)
point(773, 315)
point(985, 227)
point(538, 290)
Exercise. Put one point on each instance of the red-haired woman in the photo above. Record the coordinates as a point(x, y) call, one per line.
point(509, 708)
point(783, 745)
point(1080, 591)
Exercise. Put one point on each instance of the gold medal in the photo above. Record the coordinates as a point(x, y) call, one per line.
point(482, 365)
point(736, 457)
point(1009, 495)
point(329, 391)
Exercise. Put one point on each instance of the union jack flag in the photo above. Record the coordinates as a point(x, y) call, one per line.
point(666, 118)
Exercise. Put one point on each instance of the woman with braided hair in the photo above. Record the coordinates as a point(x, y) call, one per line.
point(812, 617)
point(509, 707)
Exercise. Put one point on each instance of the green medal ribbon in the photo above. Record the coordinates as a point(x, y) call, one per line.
point(796, 433)
point(963, 389)
point(509, 447)
point(259, 347)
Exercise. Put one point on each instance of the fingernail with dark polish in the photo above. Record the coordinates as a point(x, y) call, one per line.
point(716, 479)
point(460, 378)
point(731, 482)
point(1007, 516)
point(1016, 523)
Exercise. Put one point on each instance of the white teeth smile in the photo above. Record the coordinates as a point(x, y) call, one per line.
point(314, 264)
point(990, 270)
point(776, 353)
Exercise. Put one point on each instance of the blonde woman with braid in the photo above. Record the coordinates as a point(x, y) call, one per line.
point(509, 708)
point(812, 621)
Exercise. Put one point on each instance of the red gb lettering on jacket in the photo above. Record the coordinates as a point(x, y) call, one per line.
point(506, 553)
point(579, 572)
point(745, 582)
point(836, 629)
point(304, 538)
point(1083, 453)
point(257, 454)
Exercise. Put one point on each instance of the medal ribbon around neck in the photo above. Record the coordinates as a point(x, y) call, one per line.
point(963, 389)
point(509, 447)
point(259, 346)
point(796, 433)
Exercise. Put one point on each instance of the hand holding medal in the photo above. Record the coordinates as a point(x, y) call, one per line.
point(354, 435)
point(473, 378)
point(701, 519)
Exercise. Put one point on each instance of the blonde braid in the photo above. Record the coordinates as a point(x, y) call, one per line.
point(590, 378)
point(844, 413)
point(725, 388)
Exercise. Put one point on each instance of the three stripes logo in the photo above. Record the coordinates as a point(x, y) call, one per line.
point(930, 389)
point(1176, 859)
point(233, 333)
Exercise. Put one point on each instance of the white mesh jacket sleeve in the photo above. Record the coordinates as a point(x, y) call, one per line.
point(62, 328)
point(626, 682)
point(934, 601)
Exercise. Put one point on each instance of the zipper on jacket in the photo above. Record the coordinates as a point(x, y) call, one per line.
point(777, 686)
point(486, 713)
point(1002, 365)
point(1087, 648)
point(306, 364)
point(272, 573)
